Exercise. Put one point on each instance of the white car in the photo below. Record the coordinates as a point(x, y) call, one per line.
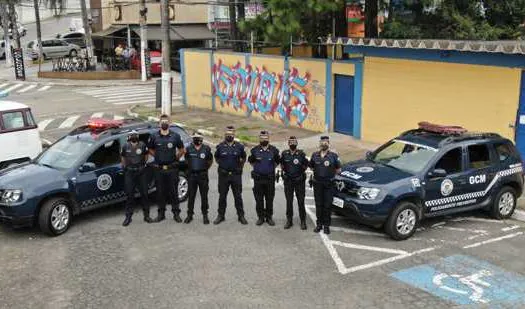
point(22, 31)
point(19, 134)
point(52, 48)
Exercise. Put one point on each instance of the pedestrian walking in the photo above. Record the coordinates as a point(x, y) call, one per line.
point(264, 158)
point(294, 164)
point(199, 159)
point(133, 159)
point(230, 156)
point(325, 164)
point(167, 148)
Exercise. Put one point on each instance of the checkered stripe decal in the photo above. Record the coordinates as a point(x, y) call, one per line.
point(473, 195)
point(102, 199)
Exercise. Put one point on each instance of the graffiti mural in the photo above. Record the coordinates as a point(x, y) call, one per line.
point(253, 89)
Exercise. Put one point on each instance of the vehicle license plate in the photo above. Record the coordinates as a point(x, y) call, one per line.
point(338, 202)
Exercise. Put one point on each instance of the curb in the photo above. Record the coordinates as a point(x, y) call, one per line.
point(519, 215)
point(131, 113)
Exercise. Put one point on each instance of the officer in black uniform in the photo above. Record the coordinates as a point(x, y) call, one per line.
point(294, 164)
point(133, 160)
point(325, 165)
point(230, 156)
point(199, 159)
point(264, 158)
point(167, 148)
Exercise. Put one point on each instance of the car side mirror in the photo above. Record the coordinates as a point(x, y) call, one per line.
point(87, 167)
point(369, 155)
point(438, 173)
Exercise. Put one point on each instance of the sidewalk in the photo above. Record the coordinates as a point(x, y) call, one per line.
point(212, 124)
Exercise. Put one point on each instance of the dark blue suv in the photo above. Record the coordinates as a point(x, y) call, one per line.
point(79, 172)
point(428, 172)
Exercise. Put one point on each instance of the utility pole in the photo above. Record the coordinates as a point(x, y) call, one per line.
point(5, 26)
point(87, 29)
point(143, 40)
point(233, 24)
point(166, 65)
point(38, 34)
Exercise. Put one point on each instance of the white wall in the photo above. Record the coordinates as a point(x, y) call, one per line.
point(26, 10)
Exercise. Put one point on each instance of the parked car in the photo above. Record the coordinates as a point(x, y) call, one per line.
point(428, 172)
point(52, 48)
point(74, 37)
point(80, 172)
point(19, 131)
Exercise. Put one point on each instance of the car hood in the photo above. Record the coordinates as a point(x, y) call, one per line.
point(29, 176)
point(372, 173)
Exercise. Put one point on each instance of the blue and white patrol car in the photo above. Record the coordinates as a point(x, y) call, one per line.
point(427, 172)
point(79, 172)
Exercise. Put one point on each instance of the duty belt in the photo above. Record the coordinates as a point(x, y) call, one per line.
point(229, 173)
point(165, 166)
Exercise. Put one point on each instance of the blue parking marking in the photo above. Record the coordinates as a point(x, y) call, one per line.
point(464, 280)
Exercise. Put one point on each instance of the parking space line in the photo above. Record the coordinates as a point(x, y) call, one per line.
point(477, 220)
point(357, 232)
point(510, 228)
point(368, 248)
point(26, 88)
point(68, 122)
point(386, 261)
point(488, 241)
point(44, 123)
point(7, 90)
point(44, 88)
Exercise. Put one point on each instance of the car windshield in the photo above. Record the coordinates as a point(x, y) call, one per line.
point(65, 153)
point(405, 156)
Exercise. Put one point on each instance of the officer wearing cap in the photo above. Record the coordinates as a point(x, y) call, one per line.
point(133, 160)
point(167, 148)
point(230, 156)
point(325, 164)
point(264, 158)
point(294, 164)
point(199, 159)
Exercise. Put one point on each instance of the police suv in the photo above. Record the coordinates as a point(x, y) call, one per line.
point(427, 172)
point(79, 172)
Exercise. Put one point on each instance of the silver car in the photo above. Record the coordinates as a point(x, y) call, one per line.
point(52, 48)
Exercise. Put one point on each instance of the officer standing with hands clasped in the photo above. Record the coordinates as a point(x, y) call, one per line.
point(264, 158)
point(325, 165)
point(133, 160)
point(294, 164)
point(230, 157)
point(199, 159)
point(167, 148)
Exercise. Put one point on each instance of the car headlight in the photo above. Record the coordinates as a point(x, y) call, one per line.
point(11, 196)
point(368, 193)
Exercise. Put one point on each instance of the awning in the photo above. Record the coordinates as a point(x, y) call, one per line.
point(108, 32)
point(177, 33)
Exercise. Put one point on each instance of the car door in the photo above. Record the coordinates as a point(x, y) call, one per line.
point(103, 182)
point(445, 182)
point(481, 171)
point(62, 48)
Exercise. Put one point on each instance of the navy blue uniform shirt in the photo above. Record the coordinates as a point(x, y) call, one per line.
point(264, 160)
point(230, 158)
point(134, 156)
point(324, 167)
point(198, 160)
point(294, 164)
point(165, 147)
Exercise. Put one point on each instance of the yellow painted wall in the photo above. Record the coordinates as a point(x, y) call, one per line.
point(230, 60)
point(397, 94)
point(198, 79)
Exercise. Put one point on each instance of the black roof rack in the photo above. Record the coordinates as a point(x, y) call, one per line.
point(468, 136)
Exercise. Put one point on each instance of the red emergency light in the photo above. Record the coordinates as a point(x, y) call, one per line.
point(103, 124)
point(441, 129)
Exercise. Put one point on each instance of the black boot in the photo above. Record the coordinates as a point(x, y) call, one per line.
point(160, 217)
point(147, 218)
point(318, 228)
point(188, 219)
point(205, 219)
point(327, 230)
point(218, 220)
point(177, 218)
point(270, 221)
point(260, 221)
point(303, 225)
point(127, 221)
point(242, 220)
point(288, 224)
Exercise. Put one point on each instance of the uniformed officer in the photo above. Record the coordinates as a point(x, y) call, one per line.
point(230, 156)
point(264, 158)
point(294, 164)
point(199, 159)
point(133, 160)
point(325, 165)
point(167, 148)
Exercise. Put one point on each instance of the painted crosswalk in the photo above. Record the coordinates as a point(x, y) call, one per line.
point(22, 88)
point(144, 95)
point(72, 121)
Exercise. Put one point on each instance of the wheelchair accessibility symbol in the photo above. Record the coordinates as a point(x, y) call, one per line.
point(464, 280)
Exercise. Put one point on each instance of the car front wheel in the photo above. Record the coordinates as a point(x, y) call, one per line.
point(182, 189)
point(504, 203)
point(55, 216)
point(403, 221)
point(73, 53)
